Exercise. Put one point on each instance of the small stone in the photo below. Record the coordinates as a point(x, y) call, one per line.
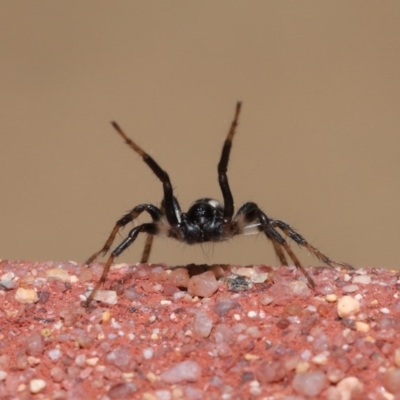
point(203, 285)
point(54, 354)
point(120, 357)
point(349, 388)
point(350, 288)
point(59, 274)
point(6, 280)
point(310, 383)
point(300, 289)
point(3, 375)
point(363, 279)
point(397, 357)
point(331, 298)
point(26, 296)
point(148, 353)
point(321, 358)
point(36, 385)
point(270, 372)
point(362, 326)
point(122, 390)
point(106, 296)
point(347, 306)
point(34, 344)
point(184, 371)
point(57, 374)
point(179, 277)
point(391, 380)
point(92, 361)
point(202, 324)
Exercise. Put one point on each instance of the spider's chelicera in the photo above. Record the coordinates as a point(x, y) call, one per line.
point(207, 220)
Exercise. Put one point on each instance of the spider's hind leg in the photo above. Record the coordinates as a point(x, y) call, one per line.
point(290, 232)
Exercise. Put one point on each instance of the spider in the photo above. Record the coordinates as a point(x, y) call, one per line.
point(207, 220)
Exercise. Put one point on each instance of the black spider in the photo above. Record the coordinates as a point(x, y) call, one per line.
point(207, 220)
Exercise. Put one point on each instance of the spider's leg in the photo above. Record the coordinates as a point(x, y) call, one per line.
point(162, 175)
point(223, 167)
point(149, 240)
point(251, 213)
point(246, 221)
point(149, 228)
point(275, 236)
point(147, 249)
point(279, 253)
point(290, 232)
point(154, 212)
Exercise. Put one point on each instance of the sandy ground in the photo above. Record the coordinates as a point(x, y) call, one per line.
point(230, 332)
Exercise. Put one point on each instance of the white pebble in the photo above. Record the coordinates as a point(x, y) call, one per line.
point(252, 314)
point(384, 310)
point(347, 306)
point(36, 385)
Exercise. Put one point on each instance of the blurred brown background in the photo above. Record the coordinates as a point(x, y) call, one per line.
point(317, 144)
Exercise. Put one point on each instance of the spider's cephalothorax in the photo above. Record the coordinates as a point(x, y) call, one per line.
point(207, 220)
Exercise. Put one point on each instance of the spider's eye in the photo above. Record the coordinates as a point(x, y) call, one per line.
point(202, 212)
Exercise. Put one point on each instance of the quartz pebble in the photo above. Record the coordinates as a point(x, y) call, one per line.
point(202, 324)
point(203, 285)
point(184, 371)
point(348, 306)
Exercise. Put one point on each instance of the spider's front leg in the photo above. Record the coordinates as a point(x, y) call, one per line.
point(154, 213)
point(149, 228)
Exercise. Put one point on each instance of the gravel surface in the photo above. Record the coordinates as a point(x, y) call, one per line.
point(222, 332)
